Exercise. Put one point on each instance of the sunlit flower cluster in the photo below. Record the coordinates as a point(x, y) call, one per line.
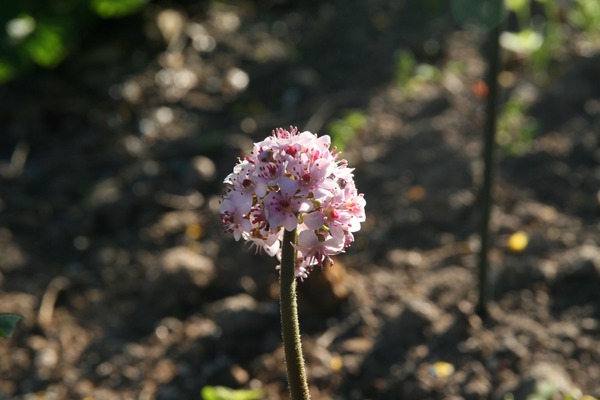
point(293, 181)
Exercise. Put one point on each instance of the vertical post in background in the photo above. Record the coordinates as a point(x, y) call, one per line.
point(488, 158)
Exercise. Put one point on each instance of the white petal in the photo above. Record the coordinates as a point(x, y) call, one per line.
point(314, 220)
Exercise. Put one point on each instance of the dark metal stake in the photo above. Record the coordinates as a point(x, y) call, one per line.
point(488, 159)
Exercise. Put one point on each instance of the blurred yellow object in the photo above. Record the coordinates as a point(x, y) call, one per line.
point(417, 193)
point(517, 242)
point(588, 397)
point(441, 369)
point(194, 231)
point(336, 363)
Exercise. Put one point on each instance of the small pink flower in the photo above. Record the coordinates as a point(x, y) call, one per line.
point(317, 247)
point(270, 243)
point(282, 206)
point(234, 221)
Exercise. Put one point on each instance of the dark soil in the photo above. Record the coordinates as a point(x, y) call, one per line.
point(111, 245)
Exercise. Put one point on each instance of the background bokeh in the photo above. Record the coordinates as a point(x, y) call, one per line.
point(120, 119)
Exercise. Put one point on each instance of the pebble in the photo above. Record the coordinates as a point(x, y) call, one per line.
point(190, 265)
point(238, 314)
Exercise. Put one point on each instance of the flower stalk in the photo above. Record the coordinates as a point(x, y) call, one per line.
point(290, 327)
point(294, 198)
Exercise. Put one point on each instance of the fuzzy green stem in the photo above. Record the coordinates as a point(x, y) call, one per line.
point(290, 327)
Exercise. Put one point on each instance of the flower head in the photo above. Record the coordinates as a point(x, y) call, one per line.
point(294, 180)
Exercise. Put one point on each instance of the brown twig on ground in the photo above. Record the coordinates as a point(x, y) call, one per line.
point(49, 299)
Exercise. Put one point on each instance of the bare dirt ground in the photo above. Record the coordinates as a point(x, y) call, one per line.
point(112, 250)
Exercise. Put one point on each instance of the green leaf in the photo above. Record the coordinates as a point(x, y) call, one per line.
point(223, 393)
point(516, 5)
point(524, 42)
point(356, 120)
point(7, 70)
point(116, 8)
point(343, 130)
point(477, 13)
point(8, 324)
point(46, 45)
point(405, 65)
point(585, 14)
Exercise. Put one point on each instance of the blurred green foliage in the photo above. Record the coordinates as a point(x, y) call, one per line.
point(223, 393)
point(547, 390)
point(43, 32)
point(8, 324)
point(478, 14)
point(537, 40)
point(410, 76)
point(116, 8)
point(516, 130)
point(405, 64)
point(585, 14)
point(544, 391)
point(539, 37)
point(343, 130)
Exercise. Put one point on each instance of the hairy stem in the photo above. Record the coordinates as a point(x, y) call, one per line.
point(290, 327)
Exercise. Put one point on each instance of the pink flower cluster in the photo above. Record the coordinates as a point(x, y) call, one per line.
point(293, 181)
